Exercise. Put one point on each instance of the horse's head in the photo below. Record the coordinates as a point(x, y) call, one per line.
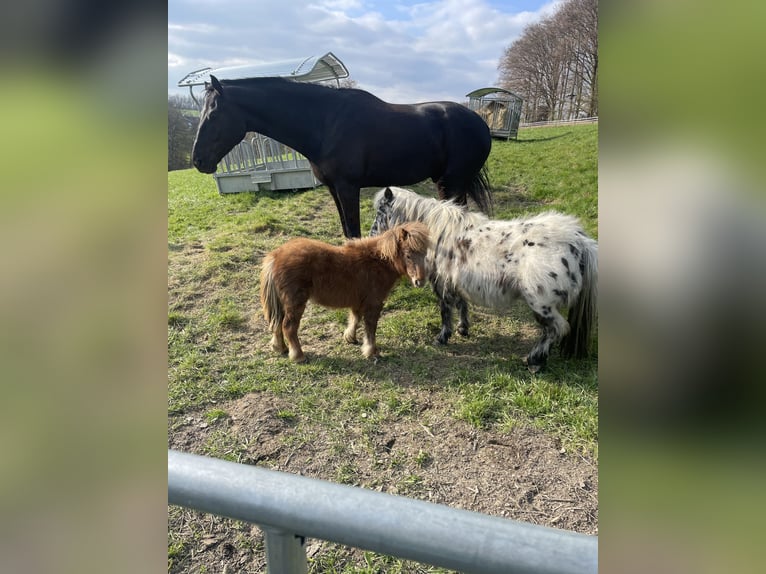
point(383, 207)
point(221, 127)
point(412, 240)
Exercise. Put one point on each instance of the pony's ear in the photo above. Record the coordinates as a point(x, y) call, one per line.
point(388, 194)
point(216, 85)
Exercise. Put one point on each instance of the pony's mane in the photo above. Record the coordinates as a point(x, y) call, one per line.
point(415, 240)
point(439, 216)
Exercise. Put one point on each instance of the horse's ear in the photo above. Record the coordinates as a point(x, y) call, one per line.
point(216, 85)
point(388, 194)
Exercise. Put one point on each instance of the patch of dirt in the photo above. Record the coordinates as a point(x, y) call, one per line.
point(523, 475)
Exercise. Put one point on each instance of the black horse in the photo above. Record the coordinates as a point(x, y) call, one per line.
point(352, 138)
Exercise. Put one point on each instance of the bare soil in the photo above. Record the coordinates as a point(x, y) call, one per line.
point(523, 475)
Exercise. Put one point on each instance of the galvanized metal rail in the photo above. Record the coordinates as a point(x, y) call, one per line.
point(290, 507)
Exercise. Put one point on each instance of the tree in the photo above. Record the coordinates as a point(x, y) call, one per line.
point(183, 118)
point(554, 64)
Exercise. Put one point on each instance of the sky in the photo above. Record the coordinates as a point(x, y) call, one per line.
point(402, 51)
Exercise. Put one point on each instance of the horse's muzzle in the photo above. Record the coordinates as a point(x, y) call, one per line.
point(199, 164)
point(418, 282)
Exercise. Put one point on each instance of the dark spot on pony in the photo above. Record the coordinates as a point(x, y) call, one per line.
point(553, 274)
point(450, 254)
point(540, 290)
point(565, 262)
point(544, 321)
point(530, 243)
point(562, 295)
point(574, 250)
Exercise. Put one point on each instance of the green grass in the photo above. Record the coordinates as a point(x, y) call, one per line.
point(218, 345)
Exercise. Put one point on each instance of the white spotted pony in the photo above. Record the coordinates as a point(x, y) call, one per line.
point(546, 259)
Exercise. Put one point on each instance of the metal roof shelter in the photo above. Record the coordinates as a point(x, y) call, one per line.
point(500, 108)
point(259, 162)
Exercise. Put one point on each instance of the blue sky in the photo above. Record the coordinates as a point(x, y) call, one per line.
point(402, 51)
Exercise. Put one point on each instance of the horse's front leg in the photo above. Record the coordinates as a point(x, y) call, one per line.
point(346, 197)
point(463, 323)
point(371, 316)
point(445, 306)
point(349, 335)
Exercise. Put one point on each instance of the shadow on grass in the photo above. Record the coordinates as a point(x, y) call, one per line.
point(545, 139)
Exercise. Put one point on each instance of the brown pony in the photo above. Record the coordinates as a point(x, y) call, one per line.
point(358, 275)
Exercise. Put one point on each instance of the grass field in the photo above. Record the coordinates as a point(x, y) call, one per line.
point(230, 397)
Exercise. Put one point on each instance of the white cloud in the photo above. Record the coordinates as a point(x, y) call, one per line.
point(403, 52)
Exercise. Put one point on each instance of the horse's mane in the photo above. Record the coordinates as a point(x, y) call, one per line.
point(276, 81)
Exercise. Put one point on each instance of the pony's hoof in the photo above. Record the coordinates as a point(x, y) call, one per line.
point(298, 359)
point(441, 341)
point(462, 331)
point(351, 340)
point(534, 367)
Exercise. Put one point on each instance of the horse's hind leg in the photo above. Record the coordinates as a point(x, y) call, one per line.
point(290, 325)
point(349, 335)
point(278, 341)
point(554, 328)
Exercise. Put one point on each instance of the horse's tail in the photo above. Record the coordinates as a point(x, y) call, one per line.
point(480, 191)
point(273, 311)
point(582, 313)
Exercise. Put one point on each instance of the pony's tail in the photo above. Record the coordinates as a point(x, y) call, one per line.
point(480, 191)
point(273, 311)
point(582, 314)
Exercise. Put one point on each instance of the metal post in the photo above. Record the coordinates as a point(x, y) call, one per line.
point(283, 504)
point(285, 552)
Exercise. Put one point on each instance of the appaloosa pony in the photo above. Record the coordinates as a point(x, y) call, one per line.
point(545, 259)
point(358, 275)
point(351, 138)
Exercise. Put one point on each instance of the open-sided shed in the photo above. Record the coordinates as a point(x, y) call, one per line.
point(500, 108)
point(259, 162)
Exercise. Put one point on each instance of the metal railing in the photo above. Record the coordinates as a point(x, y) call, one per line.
point(261, 153)
point(291, 507)
point(591, 120)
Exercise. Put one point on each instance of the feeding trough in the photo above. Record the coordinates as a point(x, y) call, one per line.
point(259, 162)
point(500, 108)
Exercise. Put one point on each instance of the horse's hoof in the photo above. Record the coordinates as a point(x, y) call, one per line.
point(533, 368)
point(298, 359)
point(463, 331)
point(441, 340)
point(351, 340)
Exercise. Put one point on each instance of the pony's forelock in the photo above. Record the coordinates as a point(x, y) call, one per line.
point(416, 240)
